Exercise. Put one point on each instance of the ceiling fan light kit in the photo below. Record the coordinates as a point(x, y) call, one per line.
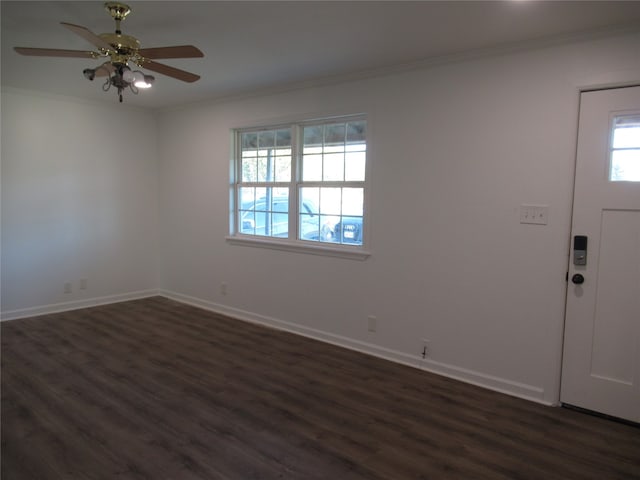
point(121, 50)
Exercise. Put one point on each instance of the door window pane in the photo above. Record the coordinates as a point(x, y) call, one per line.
point(625, 149)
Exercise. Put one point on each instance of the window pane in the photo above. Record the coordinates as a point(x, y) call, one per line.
point(313, 136)
point(267, 139)
point(333, 161)
point(334, 134)
point(309, 227)
point(356, 147)
point(246, 214)
point(283, 138)
point(349, 231)
point(283, 167)
point(354, 165)
point(280, 216)
point(333, 167)
point(249, 169)
point(626, 133)
point(356, 132)
point(353, 201)
point(625, 166)
point(626, 137)
point(625, 151)
point(312, 168)
point(327, 227)
point(249, 140)
point(310, 197)
point(247, 194)
point(309, 220)
point(330, 200)
point(264, 164)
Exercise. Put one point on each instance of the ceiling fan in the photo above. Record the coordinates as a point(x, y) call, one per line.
point(121, 50)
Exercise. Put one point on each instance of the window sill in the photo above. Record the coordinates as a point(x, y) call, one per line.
point(352, 253)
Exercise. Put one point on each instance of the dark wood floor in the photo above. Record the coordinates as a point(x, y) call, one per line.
point(153, 389)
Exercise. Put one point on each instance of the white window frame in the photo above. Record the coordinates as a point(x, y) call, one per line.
point(292, 243)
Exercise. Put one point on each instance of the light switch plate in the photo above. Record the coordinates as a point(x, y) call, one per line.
point(534, 214)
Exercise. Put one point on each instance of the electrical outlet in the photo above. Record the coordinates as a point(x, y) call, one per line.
point(223, 288)
point(83, 283)
point(67, 287)
point(426, 348)
point(372, 323)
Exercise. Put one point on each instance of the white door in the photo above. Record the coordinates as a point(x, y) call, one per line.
point(601, 361)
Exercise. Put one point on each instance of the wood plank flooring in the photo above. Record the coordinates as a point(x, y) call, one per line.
point(154, 389)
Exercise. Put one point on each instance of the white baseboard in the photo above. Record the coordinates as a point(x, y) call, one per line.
point(497, 384)
point(509, 387)
point(75, 304)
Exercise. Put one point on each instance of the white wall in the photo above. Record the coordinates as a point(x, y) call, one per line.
point(79, 201)
point(455, 149)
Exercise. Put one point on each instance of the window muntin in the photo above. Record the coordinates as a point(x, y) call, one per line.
point(625, 149)
point(302, 182)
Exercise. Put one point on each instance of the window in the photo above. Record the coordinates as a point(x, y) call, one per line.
point(625, 149)
point(302, 183)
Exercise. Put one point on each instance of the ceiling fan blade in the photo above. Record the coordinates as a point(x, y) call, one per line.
point(179, 51)
point(170, 71)
point(54, 52)
point(88, 35)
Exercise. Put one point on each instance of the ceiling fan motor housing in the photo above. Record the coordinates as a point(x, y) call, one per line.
point(124, 46)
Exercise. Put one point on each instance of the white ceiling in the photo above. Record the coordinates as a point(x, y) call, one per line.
point(266, 45)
